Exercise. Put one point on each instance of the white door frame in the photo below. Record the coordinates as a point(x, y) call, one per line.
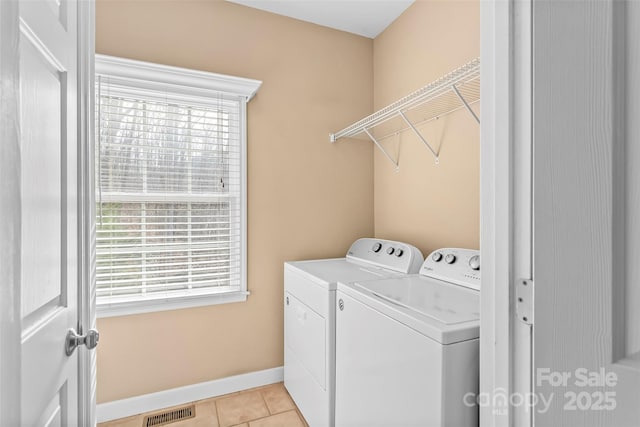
point(505, 242)
point(86, 218)
point(10, 226)
point(10, 212)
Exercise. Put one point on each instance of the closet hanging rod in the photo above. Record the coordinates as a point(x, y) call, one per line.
point(463, 83)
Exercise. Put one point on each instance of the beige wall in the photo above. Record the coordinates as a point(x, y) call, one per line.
point(307, 198)
point(426, 204)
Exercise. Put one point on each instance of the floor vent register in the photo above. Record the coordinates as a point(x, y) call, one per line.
point(171, 416)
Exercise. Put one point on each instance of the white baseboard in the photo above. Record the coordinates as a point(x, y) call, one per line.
point(177, 396)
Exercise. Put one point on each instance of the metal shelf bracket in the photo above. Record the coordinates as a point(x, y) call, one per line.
point(387, 155)
point(464, 101)
point(419, 135)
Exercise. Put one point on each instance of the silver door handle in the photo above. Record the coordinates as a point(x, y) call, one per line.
point(90, 339)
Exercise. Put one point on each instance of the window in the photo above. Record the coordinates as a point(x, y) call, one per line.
point(170, 187)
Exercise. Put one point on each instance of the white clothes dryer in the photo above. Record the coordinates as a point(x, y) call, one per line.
point(407, 347)
point(309, 317)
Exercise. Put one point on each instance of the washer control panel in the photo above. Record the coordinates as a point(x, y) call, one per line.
point(455, 265)
point(396, 256)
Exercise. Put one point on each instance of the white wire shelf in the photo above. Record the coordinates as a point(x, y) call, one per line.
point(456, 90)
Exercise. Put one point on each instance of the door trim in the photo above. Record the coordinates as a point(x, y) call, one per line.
point(86, 216)
point(495, 200)
point(505, 186)
point(10, 212)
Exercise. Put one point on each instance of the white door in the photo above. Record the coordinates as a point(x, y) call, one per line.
point(50, 212)
point(586, 215)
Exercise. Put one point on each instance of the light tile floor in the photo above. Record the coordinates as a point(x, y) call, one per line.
point(268, 406)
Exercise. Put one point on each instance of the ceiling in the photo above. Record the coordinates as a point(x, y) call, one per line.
point(367, 18)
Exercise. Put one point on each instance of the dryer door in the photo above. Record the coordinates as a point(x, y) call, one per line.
point(305, 337)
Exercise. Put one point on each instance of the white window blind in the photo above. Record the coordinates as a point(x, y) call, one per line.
point(169, 190)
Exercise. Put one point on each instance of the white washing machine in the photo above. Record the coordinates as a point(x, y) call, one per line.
point(309, 317)
point(407, 348)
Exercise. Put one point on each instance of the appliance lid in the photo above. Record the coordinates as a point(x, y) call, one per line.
point(442, 311)
point(327, 272)
point(441, 301)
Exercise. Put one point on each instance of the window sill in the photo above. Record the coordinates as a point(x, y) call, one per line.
point(166, 303)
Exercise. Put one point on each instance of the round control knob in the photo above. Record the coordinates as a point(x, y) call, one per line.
point(390, 251)
point(437, 256)
point(450, 259)
point(399, 253)
point(474, 262)
point(377, 247)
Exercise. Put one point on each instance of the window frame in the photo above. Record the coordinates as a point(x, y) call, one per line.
point(190, 86)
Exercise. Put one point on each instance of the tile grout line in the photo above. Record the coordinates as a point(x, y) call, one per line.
point(244, 392)
point(269, 416)
point(265, 403)
point(215, 405)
